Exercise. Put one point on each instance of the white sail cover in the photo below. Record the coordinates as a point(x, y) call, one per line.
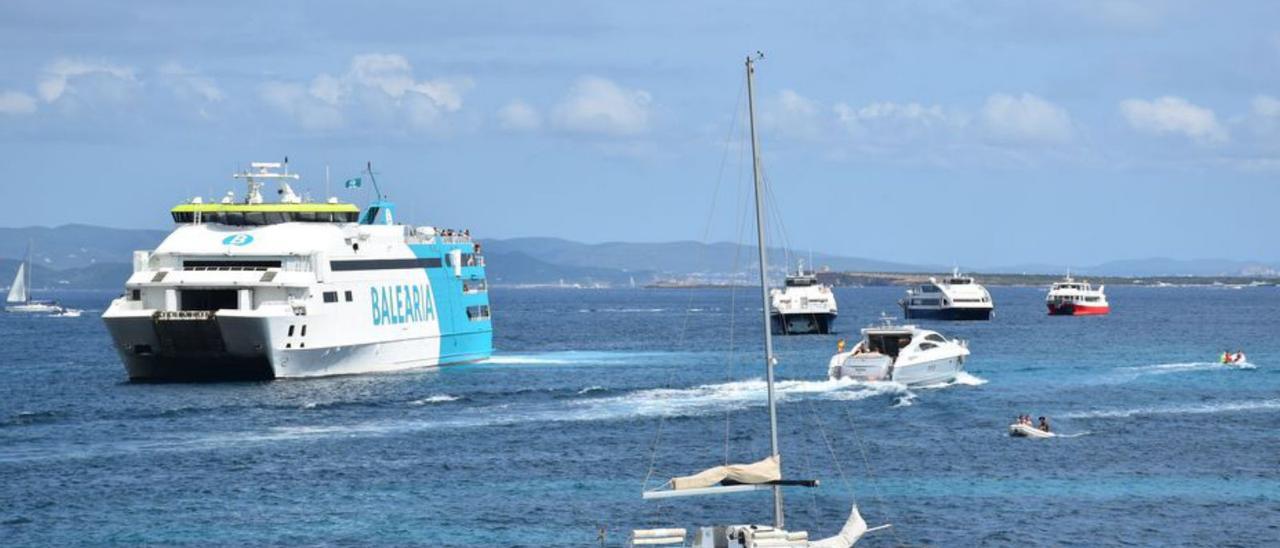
point(764, 471)
point(18, 292)
point(853, 530)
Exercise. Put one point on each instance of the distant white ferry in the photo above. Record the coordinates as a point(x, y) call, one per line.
point(954, 298)
point(245, 289)
point(803, 305)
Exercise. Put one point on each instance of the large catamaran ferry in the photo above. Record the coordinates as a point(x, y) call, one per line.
point(245, 289)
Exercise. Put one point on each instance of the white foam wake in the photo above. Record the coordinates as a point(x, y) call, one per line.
point(1165, 368)
point(1224, 407)
point(438, 398)
point(720, 397)
point(964, 378)
point(574, 358)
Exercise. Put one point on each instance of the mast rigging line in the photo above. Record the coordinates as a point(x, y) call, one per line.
point(702, 259)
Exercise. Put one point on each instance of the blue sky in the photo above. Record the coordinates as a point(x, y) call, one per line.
point(980, 133)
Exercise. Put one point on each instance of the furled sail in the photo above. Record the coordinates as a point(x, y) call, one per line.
point(764, 471)
point(18, 292)
point(853, 530)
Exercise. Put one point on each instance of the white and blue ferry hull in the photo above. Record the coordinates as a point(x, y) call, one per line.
point(405, 307)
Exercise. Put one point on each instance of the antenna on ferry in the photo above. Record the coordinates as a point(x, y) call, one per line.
point(369, 169)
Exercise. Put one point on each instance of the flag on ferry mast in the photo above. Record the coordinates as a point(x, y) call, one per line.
point(352, 183)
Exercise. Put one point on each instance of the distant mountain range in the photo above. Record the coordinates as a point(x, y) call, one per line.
point(83, 256)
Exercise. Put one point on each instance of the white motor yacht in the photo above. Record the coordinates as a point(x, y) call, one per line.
point(954, 298)
point(900, 353)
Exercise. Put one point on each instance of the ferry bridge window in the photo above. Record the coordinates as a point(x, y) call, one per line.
point(330, 296)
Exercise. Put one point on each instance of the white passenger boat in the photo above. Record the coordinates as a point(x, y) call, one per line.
point(764, 475)
point(1022, 430)
point(254, 290)
point(19, 299)
point(900, 353)
point(954, 298)
point(1071, 298)
point(803, 305)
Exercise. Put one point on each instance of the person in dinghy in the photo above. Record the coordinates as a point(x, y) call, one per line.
point(1232, 358)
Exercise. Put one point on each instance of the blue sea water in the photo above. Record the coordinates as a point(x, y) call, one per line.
point(551, 441)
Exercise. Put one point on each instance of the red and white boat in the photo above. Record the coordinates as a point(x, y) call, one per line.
point(1071, 298)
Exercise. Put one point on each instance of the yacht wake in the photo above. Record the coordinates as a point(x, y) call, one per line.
point(438, 398)
point(1166, 368)
point(964, 378)
point(734, 395)
point(574, 358)
point(1200, 409)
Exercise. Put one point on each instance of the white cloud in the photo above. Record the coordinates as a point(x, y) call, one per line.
point(888, 111)
point(795, 116)
point(305, 108)
point(381, 85)
point(16, 102)
point(1025, 118)
point(598, 105)
point(62, 76)
point(885, 126)
point(190, 84)
point(1266, 106)
point(1173, 115)
point(519, 116)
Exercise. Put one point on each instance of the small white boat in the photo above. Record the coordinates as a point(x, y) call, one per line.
point(1234, 359)
point(19, 298)
point(900, 353)
point(1021, 430)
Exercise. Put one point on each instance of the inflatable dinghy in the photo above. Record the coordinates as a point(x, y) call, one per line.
point(1237, 359)
point(1028, 431)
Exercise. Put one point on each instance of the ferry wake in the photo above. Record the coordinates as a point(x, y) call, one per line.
point(245, 289)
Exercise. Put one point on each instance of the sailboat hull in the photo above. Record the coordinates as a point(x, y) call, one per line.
point(34, 308)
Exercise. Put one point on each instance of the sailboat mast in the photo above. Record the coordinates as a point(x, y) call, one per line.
point(778, 518)
point(28, 280)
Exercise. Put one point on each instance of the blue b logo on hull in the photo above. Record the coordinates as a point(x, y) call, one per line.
point(237, 240)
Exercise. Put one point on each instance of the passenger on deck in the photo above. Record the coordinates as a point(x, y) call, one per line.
point(1044, 424)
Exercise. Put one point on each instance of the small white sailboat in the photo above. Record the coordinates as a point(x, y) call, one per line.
point(19, 299)
point(765, 474)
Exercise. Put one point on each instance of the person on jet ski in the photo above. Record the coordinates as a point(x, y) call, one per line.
point(1044, 424)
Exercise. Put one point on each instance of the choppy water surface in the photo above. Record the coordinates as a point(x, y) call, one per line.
point(552, 439)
